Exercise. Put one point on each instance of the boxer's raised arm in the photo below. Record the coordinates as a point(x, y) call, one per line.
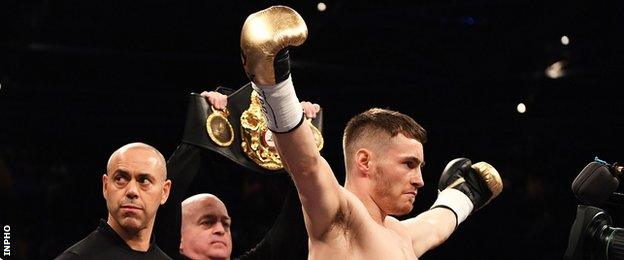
point(319, 191)
point(464, 188)
point(430, 229)
point(265, 39)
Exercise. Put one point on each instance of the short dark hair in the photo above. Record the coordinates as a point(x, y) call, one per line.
point(376, 121)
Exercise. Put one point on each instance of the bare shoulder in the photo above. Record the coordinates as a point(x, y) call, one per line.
point(390, 220)
point(396, 225)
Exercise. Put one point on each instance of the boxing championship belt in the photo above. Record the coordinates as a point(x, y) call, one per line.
point(239, 132)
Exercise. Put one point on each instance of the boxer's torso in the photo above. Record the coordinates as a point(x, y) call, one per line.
point(358, 236)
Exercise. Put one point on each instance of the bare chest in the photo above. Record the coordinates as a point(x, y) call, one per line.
point(370, 243)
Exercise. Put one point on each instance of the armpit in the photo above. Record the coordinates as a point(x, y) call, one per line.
point(343, 224)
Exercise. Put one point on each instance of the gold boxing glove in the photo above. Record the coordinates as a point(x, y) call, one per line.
point(465, 187)
point(265, 38)
point(491, 177)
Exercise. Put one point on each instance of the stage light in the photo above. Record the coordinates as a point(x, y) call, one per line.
point(521, 108)
point(555, 70)
point(321, 6)
point(565, 40)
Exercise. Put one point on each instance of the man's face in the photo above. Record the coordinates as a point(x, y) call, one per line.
point(134, 187)
point(206, 229)
point(397, 174)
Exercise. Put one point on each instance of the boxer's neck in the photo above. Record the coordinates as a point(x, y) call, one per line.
point(365, 197)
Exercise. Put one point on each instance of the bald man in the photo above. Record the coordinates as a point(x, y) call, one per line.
point(134, 186)
point(205, 231)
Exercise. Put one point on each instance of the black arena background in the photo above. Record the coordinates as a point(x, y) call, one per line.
point(81, 78)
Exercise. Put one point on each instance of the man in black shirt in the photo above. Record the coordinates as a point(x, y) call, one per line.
point(134, 186)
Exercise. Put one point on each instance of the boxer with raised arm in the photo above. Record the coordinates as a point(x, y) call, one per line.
point(383, 152)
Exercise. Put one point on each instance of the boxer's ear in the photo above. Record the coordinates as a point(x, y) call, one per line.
point(363, 160)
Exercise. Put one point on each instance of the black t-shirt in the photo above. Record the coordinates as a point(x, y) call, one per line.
point(105, 243)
